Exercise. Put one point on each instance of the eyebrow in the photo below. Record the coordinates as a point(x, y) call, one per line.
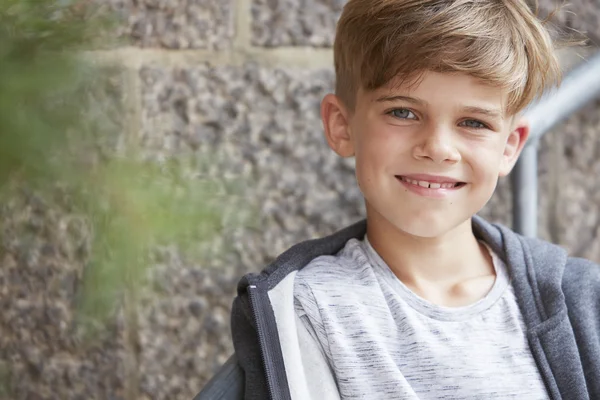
point(490, 112)
point(387, 99)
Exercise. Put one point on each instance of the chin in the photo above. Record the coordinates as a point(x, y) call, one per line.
point(417, 220)
point(427, 227)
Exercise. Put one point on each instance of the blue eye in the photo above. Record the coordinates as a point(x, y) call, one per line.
point(402, 113)
point(471, 123)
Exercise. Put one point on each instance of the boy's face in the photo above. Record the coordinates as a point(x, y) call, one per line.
point(428, 156)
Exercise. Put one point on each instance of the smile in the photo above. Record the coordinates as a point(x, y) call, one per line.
point(433, 187)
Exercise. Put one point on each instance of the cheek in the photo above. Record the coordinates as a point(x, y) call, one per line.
point(376, 155)
point(486, 158)
point(375, 144)
point(487, 177)
point(368, 166)
point(380, 139)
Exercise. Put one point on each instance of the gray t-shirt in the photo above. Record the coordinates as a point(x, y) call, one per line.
point(382, 341)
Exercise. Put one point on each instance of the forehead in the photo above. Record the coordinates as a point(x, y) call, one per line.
point(435, 89)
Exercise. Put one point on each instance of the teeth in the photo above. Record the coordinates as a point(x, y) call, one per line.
point(430, 185)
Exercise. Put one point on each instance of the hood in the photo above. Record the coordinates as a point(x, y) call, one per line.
point(536, 267)
point(294, 368)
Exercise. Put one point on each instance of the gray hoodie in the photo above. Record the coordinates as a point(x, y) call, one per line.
point(559, 298)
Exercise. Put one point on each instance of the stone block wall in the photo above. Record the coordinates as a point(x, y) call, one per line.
point(240, 80)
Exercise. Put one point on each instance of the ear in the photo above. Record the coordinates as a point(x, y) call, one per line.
point(514, 145)
point(335, 118)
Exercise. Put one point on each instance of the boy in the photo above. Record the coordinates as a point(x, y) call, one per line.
point(425, 300)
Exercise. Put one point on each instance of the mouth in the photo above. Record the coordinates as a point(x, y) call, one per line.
point(432, 183)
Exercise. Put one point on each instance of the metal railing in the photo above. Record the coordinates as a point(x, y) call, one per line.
point(580, 87)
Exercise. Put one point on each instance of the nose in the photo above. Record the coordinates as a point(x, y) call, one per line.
point(436, 144)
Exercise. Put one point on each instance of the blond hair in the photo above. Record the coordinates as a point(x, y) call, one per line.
point(501, 42)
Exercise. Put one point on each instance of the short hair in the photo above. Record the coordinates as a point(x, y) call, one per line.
point(501, 42)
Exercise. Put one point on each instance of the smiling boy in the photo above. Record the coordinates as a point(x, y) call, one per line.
point(426, 161)
point(423, 299)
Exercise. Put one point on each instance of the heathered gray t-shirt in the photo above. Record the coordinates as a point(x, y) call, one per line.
point(382, 341)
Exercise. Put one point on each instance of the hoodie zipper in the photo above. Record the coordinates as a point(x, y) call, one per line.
point(267, 334)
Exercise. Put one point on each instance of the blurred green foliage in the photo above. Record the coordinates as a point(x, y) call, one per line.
point(61, 125)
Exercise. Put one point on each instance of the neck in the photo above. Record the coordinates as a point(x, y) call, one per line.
point(453, 257)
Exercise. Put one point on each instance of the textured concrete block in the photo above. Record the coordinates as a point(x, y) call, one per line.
point(43, 356)
point(184, 328)
point(44, 249)
point(177, 24)
point(263, 126)
point(295, 22)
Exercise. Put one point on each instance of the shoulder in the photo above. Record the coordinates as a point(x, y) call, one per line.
point(337, 289)
point(337, 280)
point(346, 267)
point(581, 285)
point(581, 274)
